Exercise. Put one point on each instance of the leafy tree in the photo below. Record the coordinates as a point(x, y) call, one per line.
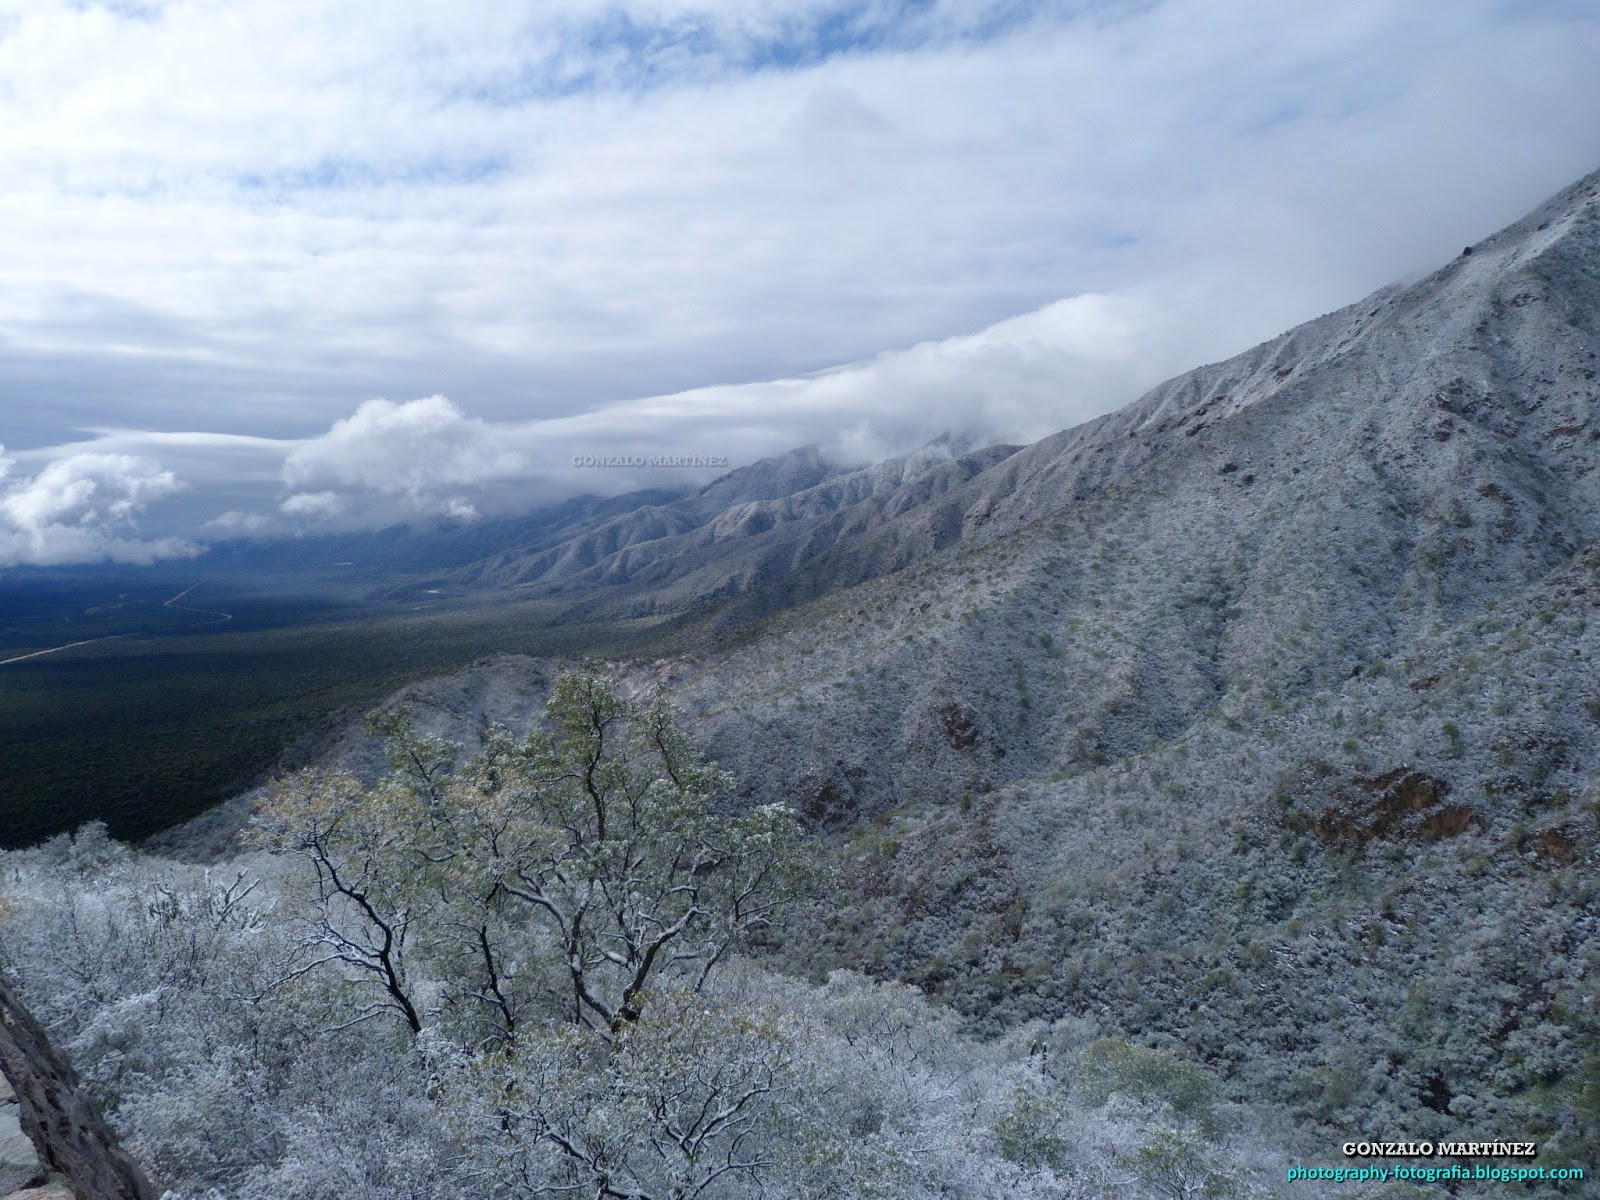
point(1181, 1166)
point(1030, 1131)
point(689, 1102)
point(1112, 1067)
point(604, 825)
point(365, 849)
point(593, 850)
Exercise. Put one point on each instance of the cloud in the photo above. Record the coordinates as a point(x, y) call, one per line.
point(264, 208)
point(391, 461)
point(419, 451)
point(1014, 381)
point(82, 508)
point(313, 505)
point(234, 523)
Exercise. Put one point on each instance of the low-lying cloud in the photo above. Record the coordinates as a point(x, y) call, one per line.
point(83, 508)
point(421, 454)
point(429, 458)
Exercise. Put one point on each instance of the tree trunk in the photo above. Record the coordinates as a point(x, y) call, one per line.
point(64, 1124)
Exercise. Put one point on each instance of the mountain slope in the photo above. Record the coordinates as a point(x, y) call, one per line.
point(1258, 719)
point(750, 526)
point(1368, 479)
point(1491, 355)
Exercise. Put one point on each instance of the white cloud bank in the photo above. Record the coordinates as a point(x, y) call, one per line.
point(428, 458)
point(264, 210)
point(420, 453)
point(81, 508)
point(1015, 381)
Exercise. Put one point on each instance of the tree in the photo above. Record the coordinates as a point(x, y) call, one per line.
point(684, 1103)
point(364, 848)
point(529, 907)
point(1180, 1165)
point(604, 826)
point(593, 851)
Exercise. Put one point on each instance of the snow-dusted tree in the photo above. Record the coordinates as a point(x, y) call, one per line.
point(370, 850)
point(531, 907)
point(604, 828)
point(576, 867)
point(689, 1101)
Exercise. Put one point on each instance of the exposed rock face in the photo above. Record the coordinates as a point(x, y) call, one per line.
point(19, 1165)
point(960, 727)
point(1399, 803)
point(66, 1128)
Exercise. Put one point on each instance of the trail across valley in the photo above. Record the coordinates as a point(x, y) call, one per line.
point(57, 649)
point(173, 603)
point(217, 619)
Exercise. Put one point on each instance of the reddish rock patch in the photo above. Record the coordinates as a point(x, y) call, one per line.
point(824, 802)
point(1555, 846)
point(1402, 804)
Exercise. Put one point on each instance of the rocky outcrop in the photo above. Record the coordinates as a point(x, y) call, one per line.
point(69, 1135)
point(19, 1165)
point(1400, 803)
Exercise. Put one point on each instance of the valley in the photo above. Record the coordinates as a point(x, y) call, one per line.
point(165, 711)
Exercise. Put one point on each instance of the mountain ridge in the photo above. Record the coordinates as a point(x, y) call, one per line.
point(1257, 721)
point(1256, 724)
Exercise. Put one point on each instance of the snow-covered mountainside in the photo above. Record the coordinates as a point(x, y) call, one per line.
point(1257, 720)
point(1260, 529)
point(1480, 369)
point(751, 527)
point(1240, 750)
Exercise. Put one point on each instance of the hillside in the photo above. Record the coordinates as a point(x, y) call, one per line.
point(1257, 721)
point(1224, 771)
point(1258, 530)
point(747, 529)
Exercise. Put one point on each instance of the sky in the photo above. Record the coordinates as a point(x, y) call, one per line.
point(271, 267)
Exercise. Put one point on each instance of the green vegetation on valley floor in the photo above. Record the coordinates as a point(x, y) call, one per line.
point(180, 712)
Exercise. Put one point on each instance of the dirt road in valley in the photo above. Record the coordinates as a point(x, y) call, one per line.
point(218, 618)
point(173, 603)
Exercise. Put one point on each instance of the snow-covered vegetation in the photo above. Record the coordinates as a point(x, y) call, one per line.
point(547, 970)
point(1133, 814)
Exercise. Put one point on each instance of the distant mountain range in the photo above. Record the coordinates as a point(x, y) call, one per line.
point(648, 552)
point(1478, 365)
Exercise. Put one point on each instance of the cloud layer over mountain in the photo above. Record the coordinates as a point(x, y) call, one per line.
point(82, 508)
point(392, 461)
point(246, 220)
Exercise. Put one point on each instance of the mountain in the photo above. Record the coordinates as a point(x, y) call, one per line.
point(1420, 382)
point(430, 546)
point(1270, 525)
point(754, 525)
point(1258, 721)
point(642, 554)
